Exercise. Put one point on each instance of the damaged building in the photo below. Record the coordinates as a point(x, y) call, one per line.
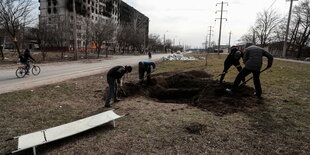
point(58, 14)
point(131, 16)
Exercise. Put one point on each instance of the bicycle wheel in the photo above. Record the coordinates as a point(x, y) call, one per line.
point(20, 72)
point(36, 70)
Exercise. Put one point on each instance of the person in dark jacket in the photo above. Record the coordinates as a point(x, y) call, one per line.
point(25, 58)
point(253, 60)
point(145, 66)
point(232, 59)
point(114, 78)
point(150, 55)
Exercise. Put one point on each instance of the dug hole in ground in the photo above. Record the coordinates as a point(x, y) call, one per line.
point(196, 88)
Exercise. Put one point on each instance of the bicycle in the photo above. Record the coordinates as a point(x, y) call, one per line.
point(21, 71)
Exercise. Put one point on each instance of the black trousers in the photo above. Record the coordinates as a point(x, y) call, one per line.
point(112, 90)
point(244, 72)
point(142, 70)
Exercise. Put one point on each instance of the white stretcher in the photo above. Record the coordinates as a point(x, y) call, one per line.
point(34, 139)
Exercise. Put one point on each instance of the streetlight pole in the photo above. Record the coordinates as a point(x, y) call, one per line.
point(287, 29)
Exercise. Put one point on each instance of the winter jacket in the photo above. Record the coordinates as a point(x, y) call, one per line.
point(231, 59)
point(147, 65)
point(116, 73)
point(253, 58)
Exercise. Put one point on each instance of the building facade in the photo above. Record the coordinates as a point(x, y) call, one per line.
point(131, 16)
point(58, 14)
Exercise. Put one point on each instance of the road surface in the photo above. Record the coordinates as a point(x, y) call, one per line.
point(56, 73)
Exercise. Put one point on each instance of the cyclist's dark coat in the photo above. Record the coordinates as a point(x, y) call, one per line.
point(26, 56)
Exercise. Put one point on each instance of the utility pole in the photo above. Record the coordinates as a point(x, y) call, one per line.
point(74, 33)
point(229, 39)
point(165, 41)
point(287, 29)
point(254, 36)
point(206, 43)
point(220, 31)
point(210, 34)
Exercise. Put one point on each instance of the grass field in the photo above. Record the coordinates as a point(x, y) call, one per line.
point(279, 126)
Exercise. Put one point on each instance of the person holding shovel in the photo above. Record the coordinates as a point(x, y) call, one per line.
point(114, 78)
point(145, 66)
point(232, 59)
point(253, 60)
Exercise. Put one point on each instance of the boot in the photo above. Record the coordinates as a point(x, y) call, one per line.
point(108, 105)
point(116, 100)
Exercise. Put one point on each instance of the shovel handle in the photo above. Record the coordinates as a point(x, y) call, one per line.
point(252, 77)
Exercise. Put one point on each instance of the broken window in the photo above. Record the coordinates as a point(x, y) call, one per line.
point(49, 10)
point(55, 10)
point(55, 2)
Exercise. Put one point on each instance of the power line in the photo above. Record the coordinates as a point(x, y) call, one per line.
point(271, 4)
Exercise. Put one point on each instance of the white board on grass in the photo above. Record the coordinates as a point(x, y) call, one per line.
point(45, 136)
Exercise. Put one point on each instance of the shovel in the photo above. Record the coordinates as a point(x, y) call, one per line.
point(243, 83)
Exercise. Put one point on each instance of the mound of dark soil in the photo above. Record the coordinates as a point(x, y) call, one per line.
point(195, 88)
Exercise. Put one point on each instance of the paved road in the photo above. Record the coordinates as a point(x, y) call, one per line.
point(56, 73)
point(296, 61)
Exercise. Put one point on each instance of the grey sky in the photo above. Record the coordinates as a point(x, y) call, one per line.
point(188, 21)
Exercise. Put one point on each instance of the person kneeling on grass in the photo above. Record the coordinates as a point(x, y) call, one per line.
point(253, 60)
point(114, 78)
point(232, 59)
point(145, 66)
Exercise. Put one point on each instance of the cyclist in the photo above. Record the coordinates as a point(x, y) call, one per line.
point(25, 58)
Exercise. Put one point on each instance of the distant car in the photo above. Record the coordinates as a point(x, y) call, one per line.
point(215, 51)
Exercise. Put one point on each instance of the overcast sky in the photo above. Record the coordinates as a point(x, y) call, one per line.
point(188, 21)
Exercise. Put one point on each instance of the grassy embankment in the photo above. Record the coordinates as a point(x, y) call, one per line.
point(281, 125)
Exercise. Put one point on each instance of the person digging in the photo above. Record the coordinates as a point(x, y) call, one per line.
point(114, 79)
point(232, 59)
point(145, 66)
point(253, 60)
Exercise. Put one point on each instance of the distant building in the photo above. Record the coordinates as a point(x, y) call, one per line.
point(55, 12)
point(131, 16)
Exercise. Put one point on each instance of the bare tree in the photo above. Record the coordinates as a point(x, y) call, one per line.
point(87, 36)
point(14, 15)
point(2, 42)
point(155, 42)
point(102, 32)
point(125, 36)
point(301, 31)
point(266, 22)
point(61, 32)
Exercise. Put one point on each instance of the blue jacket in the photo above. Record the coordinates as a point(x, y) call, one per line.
point(148, 64)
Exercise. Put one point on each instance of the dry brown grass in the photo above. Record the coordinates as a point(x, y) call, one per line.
point(279, 126)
